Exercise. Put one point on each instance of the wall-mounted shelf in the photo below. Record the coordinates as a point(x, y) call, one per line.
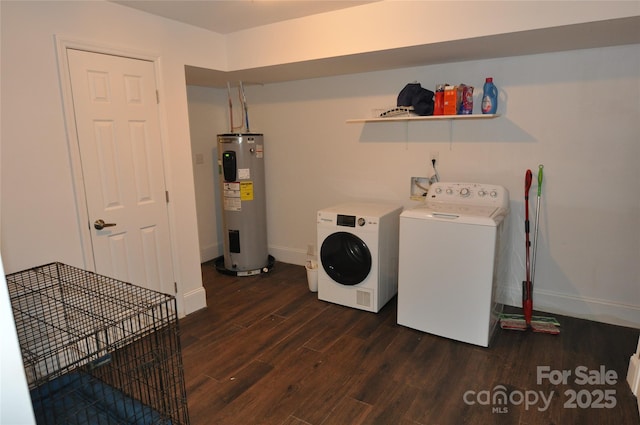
point(425, 118)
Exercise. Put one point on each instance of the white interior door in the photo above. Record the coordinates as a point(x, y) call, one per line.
point(118, 130)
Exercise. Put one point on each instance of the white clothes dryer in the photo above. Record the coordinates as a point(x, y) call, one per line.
point(453, 261)
point(358, 254)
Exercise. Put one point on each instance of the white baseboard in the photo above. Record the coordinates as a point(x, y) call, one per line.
point(210, 252)
point(194, 300)
point(575, 306)
point(547, 301)
point(284, 254)
point(288, 255)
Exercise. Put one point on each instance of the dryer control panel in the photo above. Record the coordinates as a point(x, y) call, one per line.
point(469, 193)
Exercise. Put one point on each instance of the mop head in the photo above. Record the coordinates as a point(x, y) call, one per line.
point(540, 324)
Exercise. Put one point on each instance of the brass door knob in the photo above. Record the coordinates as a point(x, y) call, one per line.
point(100, 224)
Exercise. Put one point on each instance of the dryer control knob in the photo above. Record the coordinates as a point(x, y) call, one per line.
point(465, 192)
point(449, 191)
point(361, 222)
point(482, 193)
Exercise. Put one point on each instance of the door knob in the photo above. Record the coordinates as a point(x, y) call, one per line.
point(100, 224)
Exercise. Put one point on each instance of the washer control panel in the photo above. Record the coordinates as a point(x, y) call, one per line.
point(468, 193)
point(352, 220)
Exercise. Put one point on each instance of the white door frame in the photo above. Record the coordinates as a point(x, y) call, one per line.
point(62, 44)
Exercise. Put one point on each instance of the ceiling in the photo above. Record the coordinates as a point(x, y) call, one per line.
point(227, 16)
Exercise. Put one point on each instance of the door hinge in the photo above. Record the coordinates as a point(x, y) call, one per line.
point(157, 97)
point(166, 195)
point(175, 287)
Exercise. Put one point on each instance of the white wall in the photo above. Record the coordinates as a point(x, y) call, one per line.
point(207, 118)
point(385, 25)
point(39, 215)
point(575, 112)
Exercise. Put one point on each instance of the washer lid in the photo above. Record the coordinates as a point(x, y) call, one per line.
point(485, 215)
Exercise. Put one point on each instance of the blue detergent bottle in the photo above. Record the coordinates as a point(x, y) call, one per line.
point(489, 97)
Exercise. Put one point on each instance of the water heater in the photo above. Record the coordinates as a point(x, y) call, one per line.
point(243, 200)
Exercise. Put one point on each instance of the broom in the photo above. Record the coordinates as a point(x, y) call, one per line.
point(523, 322)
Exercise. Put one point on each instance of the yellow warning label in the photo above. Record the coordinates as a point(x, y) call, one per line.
point(246, 191)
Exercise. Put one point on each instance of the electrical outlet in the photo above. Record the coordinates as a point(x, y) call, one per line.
point(419, 187)
point(434, 155)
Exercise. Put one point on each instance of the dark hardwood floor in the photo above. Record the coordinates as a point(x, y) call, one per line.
point(267, 351)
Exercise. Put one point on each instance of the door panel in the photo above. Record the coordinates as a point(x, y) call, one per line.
point(118, 128)
point(107, 163)
point(346, 258)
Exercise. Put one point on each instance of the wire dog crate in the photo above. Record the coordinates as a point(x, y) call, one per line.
point(98, 350)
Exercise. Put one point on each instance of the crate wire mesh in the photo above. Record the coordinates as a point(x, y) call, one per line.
point(98, 350)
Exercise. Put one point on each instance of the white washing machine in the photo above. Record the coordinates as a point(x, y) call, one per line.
point(453, 261)
point(358, 254)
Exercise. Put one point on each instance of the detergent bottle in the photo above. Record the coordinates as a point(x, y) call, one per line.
point(438, 108)
point(489, 97)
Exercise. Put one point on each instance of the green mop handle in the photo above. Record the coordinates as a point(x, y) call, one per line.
point(537, 220)
point(540, 167)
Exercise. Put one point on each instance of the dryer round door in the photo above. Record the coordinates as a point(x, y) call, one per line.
point(346, 258)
